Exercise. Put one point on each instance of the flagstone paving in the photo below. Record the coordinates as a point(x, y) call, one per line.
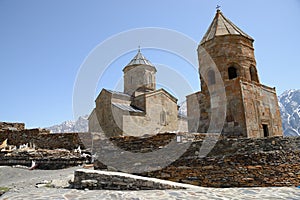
point(22, 184)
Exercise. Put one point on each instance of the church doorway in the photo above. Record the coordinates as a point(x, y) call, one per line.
point(266, 130)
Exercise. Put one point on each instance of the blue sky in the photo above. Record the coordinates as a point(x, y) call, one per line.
point(44, 43)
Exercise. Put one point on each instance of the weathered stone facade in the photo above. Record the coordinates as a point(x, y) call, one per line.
point(251, 108)
point(138, 79)
point(140, 110)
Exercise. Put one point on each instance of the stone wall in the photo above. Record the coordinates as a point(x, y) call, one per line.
point(49, 151)
point(161, 115)
point(203, 107)
point(105, 117)
point(229, 50)
point(261, 108)
point(272, 161)
point(92, 179)
point(146, 144)
point(250, 105)
point(93, 122)
point(11, 126)
point(43, 158)
point(137, 77)
point(238, 163)
point(45, 140)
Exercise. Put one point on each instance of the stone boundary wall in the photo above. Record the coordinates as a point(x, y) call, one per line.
point(42, 163)
point(94, 179)
point(264, 162)
point(143, 144)
point(45, 140)
point(70, 141)
point(12, 126)
point(267, 162)
point(272, 161)
point(43, 159)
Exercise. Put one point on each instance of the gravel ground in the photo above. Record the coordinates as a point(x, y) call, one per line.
point(18, 178)
point(22, 184)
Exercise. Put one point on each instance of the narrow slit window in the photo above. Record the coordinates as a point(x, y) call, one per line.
point(149, 78)
point(211, 77)
point(253, 74)
point(163, 120)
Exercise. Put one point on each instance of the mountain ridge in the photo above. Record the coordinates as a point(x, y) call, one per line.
point(289, 103)
point(79, 125)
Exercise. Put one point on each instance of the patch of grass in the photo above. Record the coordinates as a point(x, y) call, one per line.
point(4, 189)
point(49, 185)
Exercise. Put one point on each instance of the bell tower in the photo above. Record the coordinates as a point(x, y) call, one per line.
point(252, 108)
point(231, 49)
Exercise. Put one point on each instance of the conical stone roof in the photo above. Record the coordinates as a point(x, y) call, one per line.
point(139, 59)
point(222, 26)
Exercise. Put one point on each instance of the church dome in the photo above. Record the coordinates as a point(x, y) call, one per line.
point(139, 59)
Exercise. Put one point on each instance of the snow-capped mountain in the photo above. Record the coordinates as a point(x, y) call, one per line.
point(289, 103)
point(182, 109)
point(80, 125)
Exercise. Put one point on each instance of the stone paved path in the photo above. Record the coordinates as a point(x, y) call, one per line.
point(203, 193)
point(22, 183)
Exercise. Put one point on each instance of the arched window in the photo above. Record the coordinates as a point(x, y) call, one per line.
point(211, 77)
point(149, 78)
point(232, 72)
point(253, 74)
point(163, 120)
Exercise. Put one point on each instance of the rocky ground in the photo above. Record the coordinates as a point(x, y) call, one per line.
point(50, 184)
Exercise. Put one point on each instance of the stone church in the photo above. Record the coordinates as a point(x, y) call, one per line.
point(251, 108)
point(140, 109)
